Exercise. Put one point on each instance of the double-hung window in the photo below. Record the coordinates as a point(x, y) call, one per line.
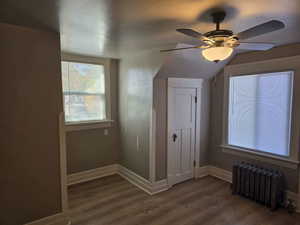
point(259, 112)
point(84, 92)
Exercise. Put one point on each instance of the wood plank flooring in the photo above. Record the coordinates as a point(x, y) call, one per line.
point(207, 201)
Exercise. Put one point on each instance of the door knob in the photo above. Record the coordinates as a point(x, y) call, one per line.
point(174, 137)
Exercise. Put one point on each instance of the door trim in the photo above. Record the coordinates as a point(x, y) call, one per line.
point(189, 83)
point(63, 163)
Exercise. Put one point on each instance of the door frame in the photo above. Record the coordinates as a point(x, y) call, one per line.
point(63, 163)
point(188, 83)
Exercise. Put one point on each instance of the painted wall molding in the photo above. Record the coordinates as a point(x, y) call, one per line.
point(92, 174)
point(227, 176)
point(160, 186)
point(157, 186)
point(202, 171)
point(142, 183)
point(57, 219)
point(135, 179)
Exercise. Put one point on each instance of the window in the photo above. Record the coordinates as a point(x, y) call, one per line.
point(259, 112)
point(84, 92)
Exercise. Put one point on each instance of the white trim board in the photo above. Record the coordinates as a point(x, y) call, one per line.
point(63, 162)
point(56, 219)
point(135, 179)
point(227, 176)
point(92, 174)
point(288, 163)
point(106, 62)
point(268, 66)
point(157, 186)
point(142, 183)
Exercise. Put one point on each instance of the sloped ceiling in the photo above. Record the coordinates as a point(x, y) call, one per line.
point(115, 28)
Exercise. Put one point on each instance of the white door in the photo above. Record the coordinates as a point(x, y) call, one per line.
point(181, 133)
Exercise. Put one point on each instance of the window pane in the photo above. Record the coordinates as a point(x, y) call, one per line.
point(84, 107)
point(84, 91)
point(260, 112)
point(88, 78)
point(65, 76)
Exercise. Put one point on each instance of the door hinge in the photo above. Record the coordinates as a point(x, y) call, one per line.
point(196, 99)
point(194, 163)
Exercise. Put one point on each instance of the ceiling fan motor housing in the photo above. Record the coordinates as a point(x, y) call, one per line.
point(219, 33)
point(221, 37)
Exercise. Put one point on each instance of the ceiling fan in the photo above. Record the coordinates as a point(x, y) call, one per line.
point(219, 44)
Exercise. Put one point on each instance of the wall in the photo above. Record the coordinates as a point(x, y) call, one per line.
point(225, 160)
point(31, 101)
point(135, 106)
point(90, 149)
point(160, 99)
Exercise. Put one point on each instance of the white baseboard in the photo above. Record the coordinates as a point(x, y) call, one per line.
point(93, 174)
point(214, 172)
point(227, 176)
point(57, 219)
point(160, 186)
point(202, 171)
point(220, 173)
point(135, 179)
point(142, 183)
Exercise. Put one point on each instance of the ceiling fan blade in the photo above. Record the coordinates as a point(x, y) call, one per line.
point(175, 49)
point(255, 46)
point(263, 28)
point(194, 34)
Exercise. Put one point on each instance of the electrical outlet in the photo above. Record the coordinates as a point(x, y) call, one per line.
point(137, 143)
point(105, 132)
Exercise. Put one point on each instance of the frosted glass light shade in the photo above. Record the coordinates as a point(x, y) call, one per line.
point(216, 54)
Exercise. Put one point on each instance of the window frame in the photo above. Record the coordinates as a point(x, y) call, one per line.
point(261, 67)
point(92, 124)
point(290, 116)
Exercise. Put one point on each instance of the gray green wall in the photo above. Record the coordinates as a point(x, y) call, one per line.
point(225, 160)
point(31, 102)
point(90, 149)
point(135, 105)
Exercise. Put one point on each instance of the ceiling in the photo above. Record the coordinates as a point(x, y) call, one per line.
point(115, 28)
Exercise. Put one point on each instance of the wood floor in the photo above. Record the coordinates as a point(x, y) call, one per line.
point(207, 201)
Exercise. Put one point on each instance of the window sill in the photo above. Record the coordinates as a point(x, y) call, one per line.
point(272, 159)
point(73, 126)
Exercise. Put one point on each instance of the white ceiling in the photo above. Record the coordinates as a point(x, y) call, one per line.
point(115, 28)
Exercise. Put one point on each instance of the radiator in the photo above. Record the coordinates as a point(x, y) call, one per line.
point(259, 184)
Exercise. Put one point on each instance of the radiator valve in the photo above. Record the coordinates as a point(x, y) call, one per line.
point(291, 207)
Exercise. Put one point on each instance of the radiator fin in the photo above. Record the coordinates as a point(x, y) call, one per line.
point(262, 185)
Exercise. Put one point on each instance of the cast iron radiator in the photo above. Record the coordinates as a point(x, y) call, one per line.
point(259, 184)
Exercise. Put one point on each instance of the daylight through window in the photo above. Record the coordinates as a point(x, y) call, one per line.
point(259, 112)
point(84, 91)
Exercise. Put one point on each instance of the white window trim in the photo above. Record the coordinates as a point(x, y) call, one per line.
point(84, 125)
point(267, 66)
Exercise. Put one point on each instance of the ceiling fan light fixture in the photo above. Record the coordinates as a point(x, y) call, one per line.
point(216, 54)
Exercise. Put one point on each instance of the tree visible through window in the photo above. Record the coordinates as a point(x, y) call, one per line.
point(259, 112)
point(84, 91)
